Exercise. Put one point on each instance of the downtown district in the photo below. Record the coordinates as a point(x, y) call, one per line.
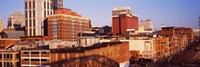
point(48, 35)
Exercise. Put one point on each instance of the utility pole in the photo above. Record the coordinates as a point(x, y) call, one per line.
point(199, 26)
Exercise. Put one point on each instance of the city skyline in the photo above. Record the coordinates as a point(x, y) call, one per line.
point(171, 13)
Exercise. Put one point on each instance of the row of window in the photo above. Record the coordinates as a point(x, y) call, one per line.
point(33, 4)
point(30, 23)
point(35, 52)
point(46, 12)
point(30, 31)
point(32, 60)
point(9, 64)
point(8, 56)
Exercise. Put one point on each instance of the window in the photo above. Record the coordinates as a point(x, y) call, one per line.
point(30, 23)
point(17, 55)
point(47, 5)
point(26, 52)
point(8, 64)
point(26, 5)
point(26, 23)
point(33, 13)
point(29, 4)
point(45, 13)
point(43, 59)
point(1, 64)
point(33, 4)
point(33, 22)
point(34, 52)
point(35, 60)
point(26, 59)
point(30, 31)
point(30, 14)
point(33, 31)
point(8, 56)
point(18, 64)
point(44, 52)
point(44, 4)
point(0, 56)
point(26, 14)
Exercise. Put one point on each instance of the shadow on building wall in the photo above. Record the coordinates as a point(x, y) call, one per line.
point(86, 61)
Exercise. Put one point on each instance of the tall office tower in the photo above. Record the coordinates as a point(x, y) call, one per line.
point(56, 4)
point(123, 19)
point(146, 25)
point(1, 25)
point(16, 21)
point(66, 24)
point(35, 13)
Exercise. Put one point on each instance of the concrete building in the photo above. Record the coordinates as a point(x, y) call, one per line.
point(1, 25)
point(16, 21)
point(87, 39)
point(35, 13)
point(57, 4)
point(65, 25)
point(146, 25)
point(9, 58)
point(123, 19)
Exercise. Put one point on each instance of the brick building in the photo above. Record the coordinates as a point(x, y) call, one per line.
point(35, 57)
point(179, 37)
point(123, 19)
point(9, 58)
point(6, 42)
point(151, 48)
point(98, 55)
point(103, 54)
point(65, 25)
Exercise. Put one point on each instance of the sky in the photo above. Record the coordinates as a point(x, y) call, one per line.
point(179, 13)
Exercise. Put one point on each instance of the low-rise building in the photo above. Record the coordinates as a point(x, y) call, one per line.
point(101, 54)
point(35, 58)
point(179, 37)
point(9, 58)
point(4, 43)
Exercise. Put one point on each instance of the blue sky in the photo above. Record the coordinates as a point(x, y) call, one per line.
point(168, 12)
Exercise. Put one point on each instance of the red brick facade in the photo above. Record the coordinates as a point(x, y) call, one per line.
point(66, 24)
point(99, 55)
point(109, 56)
point(6, 42)
point(123, 22)
point(179, 37)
